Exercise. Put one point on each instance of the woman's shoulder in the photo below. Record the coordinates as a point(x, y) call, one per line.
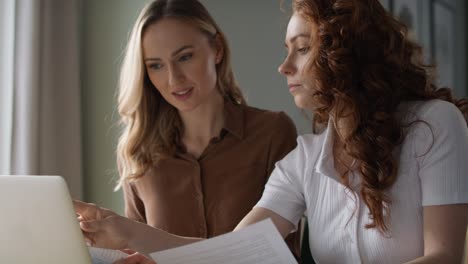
point(268, 118)
point(305, 155)
point(431, 111)
point(264, 113)
point(433, 121)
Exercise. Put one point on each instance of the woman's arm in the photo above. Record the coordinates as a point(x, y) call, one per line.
point(257, 214)
point(444, 233)
point(104, 228)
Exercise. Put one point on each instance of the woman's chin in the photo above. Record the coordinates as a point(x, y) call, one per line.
point(302, 102)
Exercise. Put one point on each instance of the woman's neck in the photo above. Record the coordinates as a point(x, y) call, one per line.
point(202, 124)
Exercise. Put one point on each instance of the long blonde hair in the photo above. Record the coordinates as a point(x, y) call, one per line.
point(151, 126)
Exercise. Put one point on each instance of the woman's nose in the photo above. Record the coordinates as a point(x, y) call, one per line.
point(286, 68)
point(176, 75)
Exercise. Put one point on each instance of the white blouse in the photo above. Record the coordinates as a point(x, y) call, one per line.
point(433, 170)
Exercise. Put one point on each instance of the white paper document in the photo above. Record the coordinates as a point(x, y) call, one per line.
point(105, 256)
point(259, 243)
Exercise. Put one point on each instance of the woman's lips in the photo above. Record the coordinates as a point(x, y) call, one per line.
point(293, 87)
point(183, 95)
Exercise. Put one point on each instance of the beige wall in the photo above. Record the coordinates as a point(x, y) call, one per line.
point(105, 26)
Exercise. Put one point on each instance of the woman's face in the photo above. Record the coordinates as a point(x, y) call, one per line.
point(297, 43)
point(181, 63)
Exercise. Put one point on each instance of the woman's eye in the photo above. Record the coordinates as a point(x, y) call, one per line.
point(304, 50)
point(155, 66)
point(186, 57)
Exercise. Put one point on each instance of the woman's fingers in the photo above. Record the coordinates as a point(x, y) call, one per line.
point(81, 207)
point(101, 227)
point(86, 211)
point(91, 226)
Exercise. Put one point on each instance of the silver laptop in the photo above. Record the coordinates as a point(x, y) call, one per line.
point(38, 223)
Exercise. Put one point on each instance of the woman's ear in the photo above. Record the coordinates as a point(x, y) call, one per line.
point(219, 47)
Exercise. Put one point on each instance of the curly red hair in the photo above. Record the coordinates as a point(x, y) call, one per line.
point(363, 66)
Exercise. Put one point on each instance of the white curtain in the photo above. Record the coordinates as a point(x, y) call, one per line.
point(44, 118)
point(7, 33)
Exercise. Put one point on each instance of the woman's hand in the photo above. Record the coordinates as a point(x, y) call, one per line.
point(135, 258)
point(106, 229)
point(102, 227)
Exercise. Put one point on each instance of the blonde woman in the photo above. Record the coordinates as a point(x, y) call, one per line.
point(193, 157)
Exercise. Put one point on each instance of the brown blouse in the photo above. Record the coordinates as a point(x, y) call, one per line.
point(208, 196)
